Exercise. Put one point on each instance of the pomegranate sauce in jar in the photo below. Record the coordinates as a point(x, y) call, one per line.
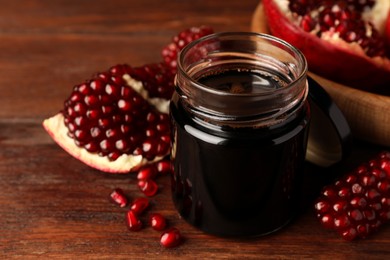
point(239, 126)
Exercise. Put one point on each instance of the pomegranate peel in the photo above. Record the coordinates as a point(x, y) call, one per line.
point(387, 30)
point(329, 56)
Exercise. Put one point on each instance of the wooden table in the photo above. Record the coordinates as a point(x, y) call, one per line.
point(53, 206)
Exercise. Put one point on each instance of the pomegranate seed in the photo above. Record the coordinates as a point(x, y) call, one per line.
point(97, 86)
point(148, 146)
point(307, 23)
point(118, 197)
point(339, 205)
point(124, 105)
point(356, 215)
point(357, 188)
point(341, 221)
point(349, 234)
point(139, 205)
point(132, 221)
point(151, 117)
point(171, 238)
point(157, 221)
point(91, 100)
point(164, 167)
point(122, 145)
point(327, 221)
point(148, 187)
point(147, 172)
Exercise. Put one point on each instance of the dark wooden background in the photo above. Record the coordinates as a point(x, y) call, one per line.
point(53, 206)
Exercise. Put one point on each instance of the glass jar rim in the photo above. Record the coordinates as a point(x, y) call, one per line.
point(301, 58)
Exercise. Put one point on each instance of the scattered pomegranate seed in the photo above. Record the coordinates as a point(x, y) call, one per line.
point(132, 221)
point(148, 187)
point(164, 167)
point(157, 221)
point(139, 205)
point(147, 172)
point(118, 197)
point(358, 203)
point(171, 238)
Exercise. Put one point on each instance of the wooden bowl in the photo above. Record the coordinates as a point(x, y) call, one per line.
point(368, 114)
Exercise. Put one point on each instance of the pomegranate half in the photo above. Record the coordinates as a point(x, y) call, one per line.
point(342, 40)
point(117, 121)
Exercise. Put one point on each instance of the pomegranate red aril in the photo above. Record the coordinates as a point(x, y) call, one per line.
point(147, 172)
point(340, 205)
point(358, 213)
point(327, 221)
point(384, 186)
point(171, 238)
point(157, 221)
point(148, 187)
point(344, 192)
point(349, 234)
point(164, 167)
point(132, 221)
point(341, 221)
point(357, 188)
point(118, 197)
point(162, 147)
point(139, 205)
point(165, 138)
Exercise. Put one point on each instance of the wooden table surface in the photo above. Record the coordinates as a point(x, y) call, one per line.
point(53, 206)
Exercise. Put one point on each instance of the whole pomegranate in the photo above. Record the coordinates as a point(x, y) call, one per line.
point(343, 40)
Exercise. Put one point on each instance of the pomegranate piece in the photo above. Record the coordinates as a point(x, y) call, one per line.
point(358, 203)
point(342, 40)
point(118, 197)
point(117, 121)
point(157, 221)
point(139, 205)
point(148, 187)
point(171, 238)
point(171, 51)
point(132, 221)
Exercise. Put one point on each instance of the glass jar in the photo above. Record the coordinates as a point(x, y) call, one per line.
point(239, 129)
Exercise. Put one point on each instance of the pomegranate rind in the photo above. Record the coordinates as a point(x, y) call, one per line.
point(125, 163)
point(387, 31)
point(332, 58)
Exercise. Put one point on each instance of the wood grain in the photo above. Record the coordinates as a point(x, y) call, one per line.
point(54, 207)
point(366, 113)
